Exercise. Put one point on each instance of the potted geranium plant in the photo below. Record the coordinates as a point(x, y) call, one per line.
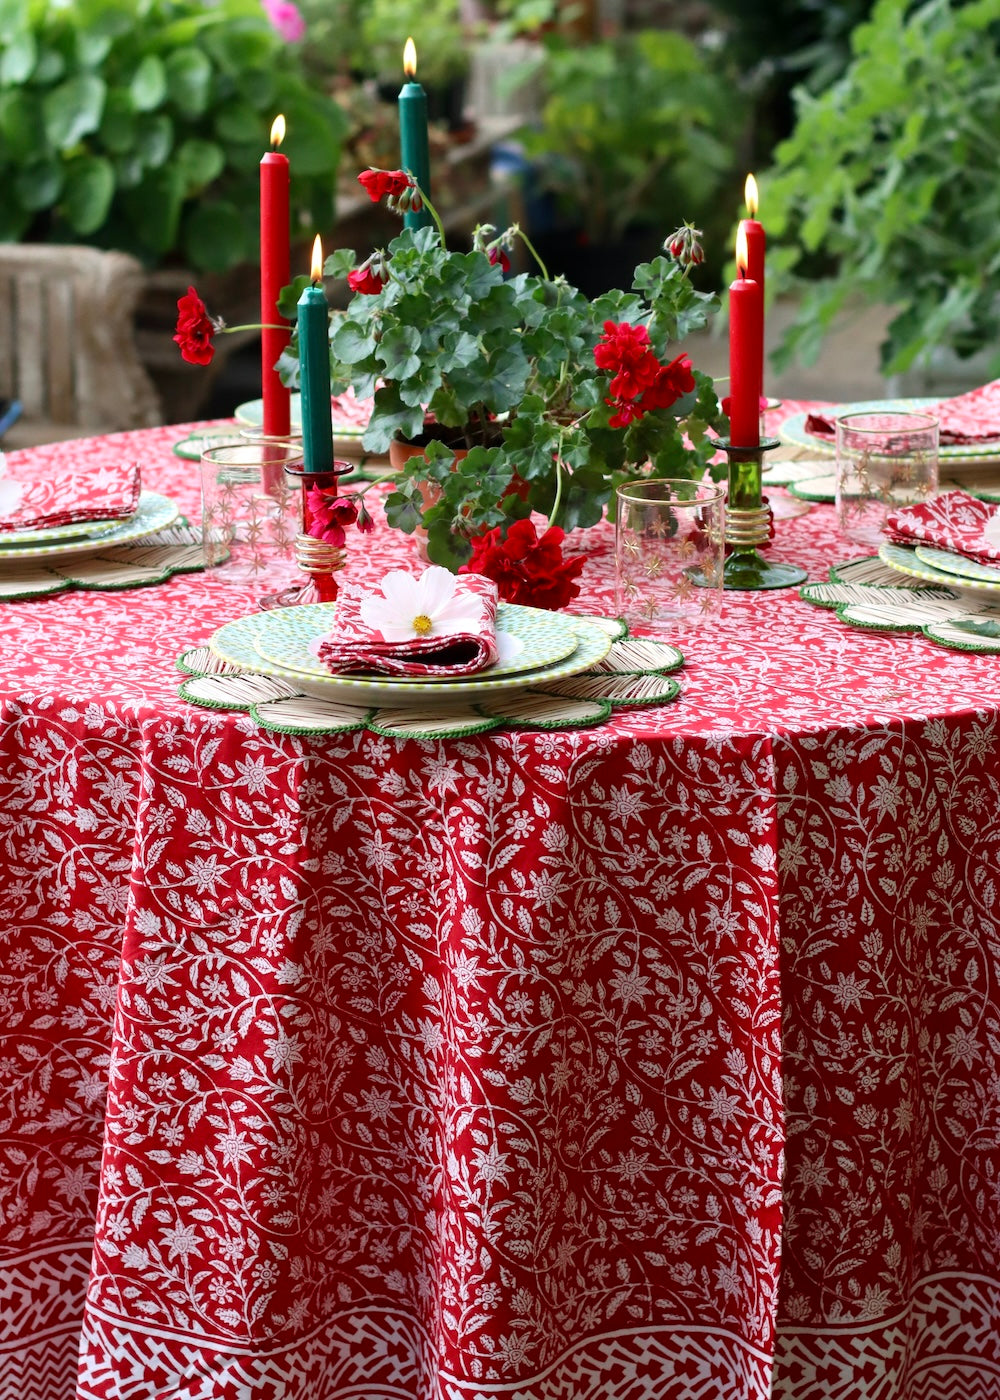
point(553, 398)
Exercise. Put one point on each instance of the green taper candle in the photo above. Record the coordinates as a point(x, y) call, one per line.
point(314, 370)
point(414, 151)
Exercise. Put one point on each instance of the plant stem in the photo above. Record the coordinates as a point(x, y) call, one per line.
point(558, 497)
point(256, 326)
point(532, 250)
point(434, 215)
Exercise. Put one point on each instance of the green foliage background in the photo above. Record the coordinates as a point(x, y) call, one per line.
point(887, 191)
point(139, 124)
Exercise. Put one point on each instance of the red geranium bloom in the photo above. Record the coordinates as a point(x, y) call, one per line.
point(325, 518)
point(497, 255)
point(672, 382)
point(625, 350)
point(525, 568)
point(382, 183)
point(626, 412)
point(365, 279)
point(195, 330)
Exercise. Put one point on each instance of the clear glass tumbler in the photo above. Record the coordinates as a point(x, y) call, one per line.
point(884, 460)
point(249, 513)
point(669, 554)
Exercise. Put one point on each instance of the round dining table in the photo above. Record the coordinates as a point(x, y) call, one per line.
point(656, 1060)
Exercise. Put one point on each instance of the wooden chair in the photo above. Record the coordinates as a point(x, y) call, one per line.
point(67, 343)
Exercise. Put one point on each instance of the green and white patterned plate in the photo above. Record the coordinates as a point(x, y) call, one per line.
point(91, 529)
point(905, 561)
point(965, 570)
point(793, 430)
point(534, 639)
point(235, 642)
point(154, 513)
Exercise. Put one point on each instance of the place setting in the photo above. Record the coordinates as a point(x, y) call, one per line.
point(96, 528)
point(426, 654)
point(968, 446)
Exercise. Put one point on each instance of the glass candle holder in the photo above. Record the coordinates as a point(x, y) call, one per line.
point(884, 461)
point(669, 553)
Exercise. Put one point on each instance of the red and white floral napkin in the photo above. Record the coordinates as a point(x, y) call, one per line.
point(969, 418)
point(431, 625)
point(954, 521)
point(107, 492)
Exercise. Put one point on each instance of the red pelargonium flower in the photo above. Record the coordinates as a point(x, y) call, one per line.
point(365, 279)
point(325, 517)
point(386, 183)
point(195, 329)
point(626, 352)
point(497, 255)
point(672, 382)
point(525, 568)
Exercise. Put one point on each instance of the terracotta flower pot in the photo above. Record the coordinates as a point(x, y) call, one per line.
point(399, 454)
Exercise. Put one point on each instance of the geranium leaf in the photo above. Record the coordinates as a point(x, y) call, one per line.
point(352, 343)
point(498, 383)
point(391, 418)
point(397, 352)
point(289, 298)
point(340, 262)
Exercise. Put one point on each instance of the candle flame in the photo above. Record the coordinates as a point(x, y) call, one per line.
point(742, 251)
point(410, 59)
point(317, 261)
point(750, 195)
point(277, 131)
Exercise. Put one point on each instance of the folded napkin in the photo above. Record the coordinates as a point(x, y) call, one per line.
point(969, 418)
point(954, 521)
point(434, 625)
point(108, 492)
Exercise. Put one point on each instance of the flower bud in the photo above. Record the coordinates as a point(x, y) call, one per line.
point(683, 245)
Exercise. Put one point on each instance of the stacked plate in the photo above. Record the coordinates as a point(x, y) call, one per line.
point(152, 513)
point(974, 466)
point(943, 567)
point(535, 647)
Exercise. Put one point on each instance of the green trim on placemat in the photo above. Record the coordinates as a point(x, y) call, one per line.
point(630, 690)
point(409, 722)
point(821, 489)
point(536, 711)
point(302, 715)
point(968, 631)
point(942, 615)
point(141, 564)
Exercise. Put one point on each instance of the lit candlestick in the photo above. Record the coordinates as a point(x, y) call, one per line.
point(274, 274)
point(314, 370)
point(414, 149)
point(746, 320)
point(756, 250)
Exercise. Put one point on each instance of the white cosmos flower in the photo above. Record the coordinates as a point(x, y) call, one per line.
point(422, 607)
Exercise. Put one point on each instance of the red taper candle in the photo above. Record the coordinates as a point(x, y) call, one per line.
point(275, 273)
point(756, 256)
point(746, 340)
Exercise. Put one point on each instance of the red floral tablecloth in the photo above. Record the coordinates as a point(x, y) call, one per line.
point(464, 1070)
